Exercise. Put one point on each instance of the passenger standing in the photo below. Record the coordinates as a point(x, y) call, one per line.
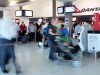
point(32, 30)
point(7, 32)
point(23, 29)
point(37, 32)
point(51, 41)
point(39, 35)
point(18, 32)
point(44, 41)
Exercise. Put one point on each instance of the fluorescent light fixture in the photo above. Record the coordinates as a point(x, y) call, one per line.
point(74, 19)
point(13, 3)
point(92, 18)
point(66, 0)
point(32, 0)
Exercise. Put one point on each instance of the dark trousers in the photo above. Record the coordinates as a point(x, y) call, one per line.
point(6, 53)
point(32, 36)
point(39, 37)
point(52, 54)
point(22, 33)
point(19, 36)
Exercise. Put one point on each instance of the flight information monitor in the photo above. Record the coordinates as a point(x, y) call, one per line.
point(70, 9)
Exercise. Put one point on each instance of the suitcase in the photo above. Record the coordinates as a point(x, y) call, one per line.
point(25, 39)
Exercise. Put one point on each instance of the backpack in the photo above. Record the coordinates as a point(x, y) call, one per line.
point(46, 31)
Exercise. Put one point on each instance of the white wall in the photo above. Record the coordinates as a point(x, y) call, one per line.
point(40, 9)
point(43, 8)
point(86, 4)
point(10, 12)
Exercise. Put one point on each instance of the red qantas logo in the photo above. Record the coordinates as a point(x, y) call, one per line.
point(77, 10)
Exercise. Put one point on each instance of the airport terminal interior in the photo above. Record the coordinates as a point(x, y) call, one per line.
point(49, 37)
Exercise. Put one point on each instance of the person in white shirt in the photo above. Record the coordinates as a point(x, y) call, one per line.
point(8, 31)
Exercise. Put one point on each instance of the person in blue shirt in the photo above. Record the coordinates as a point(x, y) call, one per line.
point(64, 30)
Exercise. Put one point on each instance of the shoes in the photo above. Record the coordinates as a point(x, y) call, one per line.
point(51, 59)
point(39, 45)
point(5, 71)
point(57, 62)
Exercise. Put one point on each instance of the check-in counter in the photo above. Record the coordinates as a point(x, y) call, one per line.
point(94, 42)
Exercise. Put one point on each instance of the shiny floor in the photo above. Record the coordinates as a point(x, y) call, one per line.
point(34, 61)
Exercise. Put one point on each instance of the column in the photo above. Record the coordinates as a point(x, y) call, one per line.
point(20, 8)
point(96, 22)
point(54, 9)
point(68, 18)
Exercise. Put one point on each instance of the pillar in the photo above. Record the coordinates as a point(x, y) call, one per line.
point(68, 18)
point(96, 22)
point(20, 8)
point(54, 9)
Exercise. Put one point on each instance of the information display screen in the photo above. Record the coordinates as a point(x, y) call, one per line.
point(60, 10)
point(28, 13)
point(24, 13)
point(70, 9)
point(18, 13)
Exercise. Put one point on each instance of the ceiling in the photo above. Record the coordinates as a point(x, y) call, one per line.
point(66, 0)
point(6, 3)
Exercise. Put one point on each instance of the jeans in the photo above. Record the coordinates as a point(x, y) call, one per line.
point(52, 55)
point(6, 53)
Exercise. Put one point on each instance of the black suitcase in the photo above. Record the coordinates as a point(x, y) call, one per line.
point(25, 39)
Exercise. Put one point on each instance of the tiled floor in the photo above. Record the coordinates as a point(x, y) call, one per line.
point(34, 61)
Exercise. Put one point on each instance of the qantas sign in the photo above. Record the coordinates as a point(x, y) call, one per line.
point(90, 9)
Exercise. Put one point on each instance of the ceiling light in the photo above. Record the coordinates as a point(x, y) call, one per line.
point(32, 0)
point(12, 3)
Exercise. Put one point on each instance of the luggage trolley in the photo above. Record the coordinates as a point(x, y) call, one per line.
point(69, 50)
